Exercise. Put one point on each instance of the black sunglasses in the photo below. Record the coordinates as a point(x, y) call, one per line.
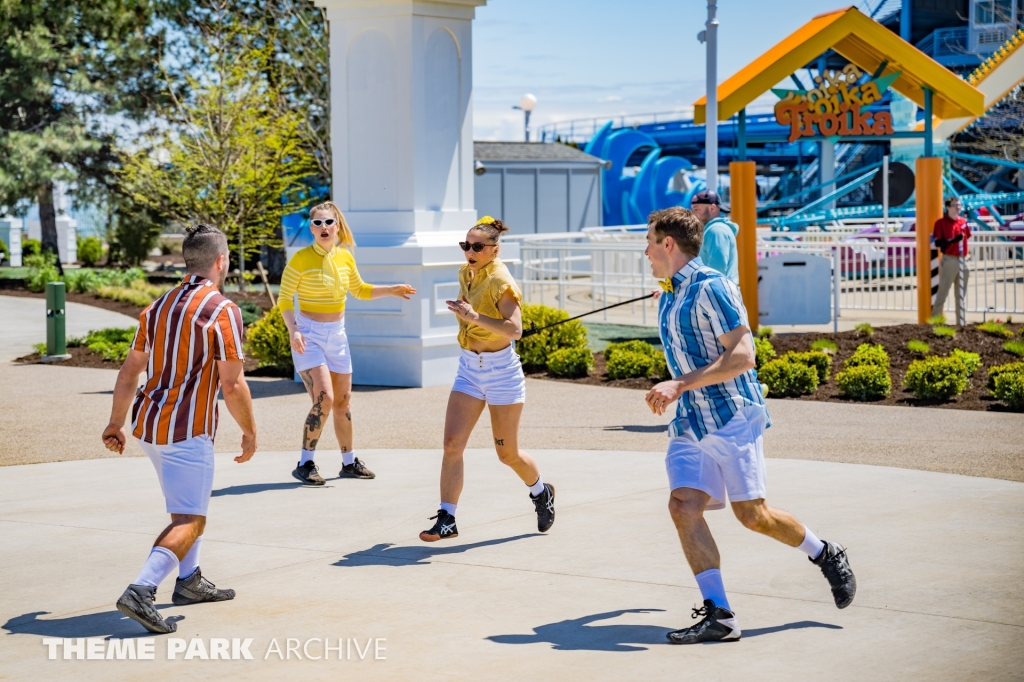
point(476, 246)
point(328, 222)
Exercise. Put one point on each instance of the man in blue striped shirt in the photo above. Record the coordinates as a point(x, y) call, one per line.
point(716, 446)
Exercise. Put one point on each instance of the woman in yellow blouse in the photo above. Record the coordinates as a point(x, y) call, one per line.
point(490, 374)
point(320, 276)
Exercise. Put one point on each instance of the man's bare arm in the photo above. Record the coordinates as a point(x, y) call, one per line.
point(239, 402)
point(114, 436)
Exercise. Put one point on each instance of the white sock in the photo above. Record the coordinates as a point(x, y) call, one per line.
point(160, 564)
point(190, 563)
point(307, 456)
point(348, 457)
point(711, 587)
point(537, 488)
point(811, 546)
point(449, 507)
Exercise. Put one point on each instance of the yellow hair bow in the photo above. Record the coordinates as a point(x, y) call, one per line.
point(486, 220)
point(666, 285)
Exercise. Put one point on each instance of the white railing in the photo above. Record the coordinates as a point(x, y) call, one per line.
point(602, 266)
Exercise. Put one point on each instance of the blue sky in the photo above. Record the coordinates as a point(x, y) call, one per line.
point(605, 58)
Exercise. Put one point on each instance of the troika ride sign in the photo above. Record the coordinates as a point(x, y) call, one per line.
point(838, 107)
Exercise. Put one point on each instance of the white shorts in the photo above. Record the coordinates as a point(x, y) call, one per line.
point(496, 378)
point(185, 471)
point(729, 460)
point(326, 344)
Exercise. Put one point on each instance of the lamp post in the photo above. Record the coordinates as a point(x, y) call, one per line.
point(526, 104)
point(709, 36)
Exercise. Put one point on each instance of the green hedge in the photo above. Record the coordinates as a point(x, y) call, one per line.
point(819, 362)
point(629, 364)
point(90, 250)
point(113, 343)
point(971, 360)
point(534, 350)
point(1009, 388)
point(570, 362)
point(268, 341)
point(1008, 368)
point(937, 378)
point(868, 354)
point(764, 351)
point(785, 378)
point(864, 382)
point(633, 346)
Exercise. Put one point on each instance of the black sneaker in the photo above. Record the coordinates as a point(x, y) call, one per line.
point(356, 470)
point(443, 529)
point(835, 566)
point(308, 473)
point(139, 603)
point(718, 625)
point(545, 506)
point(195, 589)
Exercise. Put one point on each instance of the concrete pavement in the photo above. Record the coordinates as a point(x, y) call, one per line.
point(25, 323)
point(937, 558)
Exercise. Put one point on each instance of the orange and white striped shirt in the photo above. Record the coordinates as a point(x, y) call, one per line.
point(185, 332)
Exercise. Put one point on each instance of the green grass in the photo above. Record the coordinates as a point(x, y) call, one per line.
point(937, 319)
point(865, 329)
point(13, 273)
point(995, 329)
point(1015, 348)
point(944, 331)
point(825, 346)
point(918, 347)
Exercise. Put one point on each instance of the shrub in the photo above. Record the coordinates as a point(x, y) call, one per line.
point(39, 348)
point(570, 362)
point(918, 347)
point(995, 329)
point(944, 331)
point(819, 362)
point(765, 332)
point(90, 251)
point(139, 293)
point(864, 382)
point(250, 312)
point(937, 378)
point(1009, 388)
point(971, 360)
point(42, 269)
point(868, 354)
point(113, 343)
point(825, 346)
point(4, 253)
point(763, 351)
point(787, 378)
point(633, 346)
point(937, 319)
point(627, 364)
point(1014, 348)
point(81, 280)
point(535, 349)
point(660, 369)
point(268, 341)
point(1009, 368)
point(865, 329)
point(31, 247)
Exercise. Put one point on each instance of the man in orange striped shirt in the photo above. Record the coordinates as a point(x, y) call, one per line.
point(189, 344)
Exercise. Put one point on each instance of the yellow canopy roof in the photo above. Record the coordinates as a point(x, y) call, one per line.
point(865, 43)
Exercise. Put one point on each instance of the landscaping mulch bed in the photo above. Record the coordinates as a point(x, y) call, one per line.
point(893, 339)
point(80, 357)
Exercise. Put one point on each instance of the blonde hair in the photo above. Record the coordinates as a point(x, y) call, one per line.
point(345, 237)
point(492, 227)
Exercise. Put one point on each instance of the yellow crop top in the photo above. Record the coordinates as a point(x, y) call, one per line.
point(321, 280)
point(483, 293)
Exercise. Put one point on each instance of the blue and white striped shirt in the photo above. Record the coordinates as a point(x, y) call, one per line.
point(702, 306)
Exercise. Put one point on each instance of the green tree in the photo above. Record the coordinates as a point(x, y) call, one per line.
point(230, 155)
point(65, 67)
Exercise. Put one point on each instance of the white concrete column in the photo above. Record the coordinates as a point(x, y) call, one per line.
point(402, 153)
point(10, 234)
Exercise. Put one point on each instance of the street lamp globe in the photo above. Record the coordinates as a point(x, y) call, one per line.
point(527, 102)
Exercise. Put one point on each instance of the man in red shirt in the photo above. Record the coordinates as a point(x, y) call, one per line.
point(951, 234)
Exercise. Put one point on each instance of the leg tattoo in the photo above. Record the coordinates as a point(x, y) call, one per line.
point(314, 424)
point(499, 441)
point(307, 380)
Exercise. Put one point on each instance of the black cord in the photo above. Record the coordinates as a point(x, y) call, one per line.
point(536, 330)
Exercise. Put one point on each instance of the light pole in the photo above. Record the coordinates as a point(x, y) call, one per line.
point(709, 36)
point(526, 104)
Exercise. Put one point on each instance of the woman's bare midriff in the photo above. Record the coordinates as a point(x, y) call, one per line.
point(478, 346)
point(322, 317)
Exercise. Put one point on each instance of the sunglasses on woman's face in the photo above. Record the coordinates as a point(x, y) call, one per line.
point(328, 222)
point(476, 246)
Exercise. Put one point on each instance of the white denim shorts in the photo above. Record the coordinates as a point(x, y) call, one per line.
point(326, 344)
point(496, 378)
point(729, 460)
point(185, 471)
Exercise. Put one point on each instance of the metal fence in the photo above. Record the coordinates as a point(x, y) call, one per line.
point(876, 270)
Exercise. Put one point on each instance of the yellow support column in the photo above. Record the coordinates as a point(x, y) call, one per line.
point(743, 192)
point(928, 185)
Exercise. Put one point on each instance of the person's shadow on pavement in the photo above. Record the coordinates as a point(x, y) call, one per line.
point(387, 554)
point(579, 635)
point(107, 624)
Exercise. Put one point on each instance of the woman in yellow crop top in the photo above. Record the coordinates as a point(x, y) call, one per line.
point(490, 374)
point(320, 276)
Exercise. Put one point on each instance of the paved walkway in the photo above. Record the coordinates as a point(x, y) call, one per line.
point(24, 323)
point(937, 557)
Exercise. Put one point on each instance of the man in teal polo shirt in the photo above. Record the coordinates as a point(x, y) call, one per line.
point(718, 251)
